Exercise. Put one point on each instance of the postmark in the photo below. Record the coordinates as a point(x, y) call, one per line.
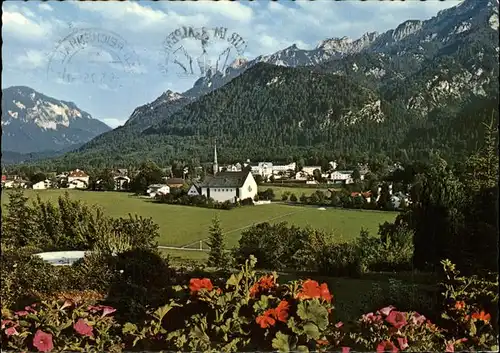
point(200, 51)
point(93, 56)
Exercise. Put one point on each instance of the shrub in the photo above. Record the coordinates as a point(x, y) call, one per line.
point(293, 198)
point(339, 260)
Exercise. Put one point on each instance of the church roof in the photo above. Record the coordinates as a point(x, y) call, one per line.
point(225, 179)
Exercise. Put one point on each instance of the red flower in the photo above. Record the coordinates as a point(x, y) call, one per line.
point(8, 322)
point(386, 311)
point(310, 290)
point(29, 309)
point(403, 343)
point(322, 342)
point(11, 331)
point(266, 319)
point(339, 324)
point(325, 293)
point(281, 312)
point(459, 305)
point(450, 347)
point(386, 346)
point(264, 283)
point(396, 319)
point(346, 349)
point(371, 318)
point(43, 341)
point(196, 284)
point(21, 313)
point(106, 310)
point(83, 328)
point(482, 316)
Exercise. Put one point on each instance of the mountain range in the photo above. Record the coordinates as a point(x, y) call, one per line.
point(423, 85)
point(33, 123)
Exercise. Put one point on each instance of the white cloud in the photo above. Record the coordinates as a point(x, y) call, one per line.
point(32, 59)
point(45, 7)
point(232, 10)
point(22, 27)
point(112, 122)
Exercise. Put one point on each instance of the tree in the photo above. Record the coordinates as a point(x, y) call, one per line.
point(106, 180)
point(293, 198)
point(259, 179)
point(356, 175)
point(37, 177)
point(217, 257)
point(149, 174)
point(17, 225)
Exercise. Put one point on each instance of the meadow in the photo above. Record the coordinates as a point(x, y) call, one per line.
point(183, 225)
point(298, 191)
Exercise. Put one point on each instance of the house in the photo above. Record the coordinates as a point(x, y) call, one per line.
point(284, 168)
point(157, 189)
point(194, 190)
point(121, 182)
point(301, 175)
point(4, 178)
point(366, 195)
point(175, 182)
point(342, 176)
point(310, 169)
point(229, 186)
point(78, 177)
point(8, 184)
point(264, 169)
point(42, 185)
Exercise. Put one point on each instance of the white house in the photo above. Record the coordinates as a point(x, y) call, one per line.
point(78, 179)
point(157, 189)
point(121, 182)
point(229, 186)
point(344, 176)
point(301, 175)
point(42, 185)
point(284, 168)
point(264, 169)
point(193, 191)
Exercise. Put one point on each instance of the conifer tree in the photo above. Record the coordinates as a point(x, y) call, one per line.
point(217, 257)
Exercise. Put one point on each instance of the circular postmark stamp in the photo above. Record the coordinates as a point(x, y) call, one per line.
point(200, 51)
point(93, 56)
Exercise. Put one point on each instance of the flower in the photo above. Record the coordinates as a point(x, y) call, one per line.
point(67, 303)
point(346, 349)
point(482, 316)
point(459, 305)
point(396, 319)
point(322, 342)
point(386, 311)
point(196, 284)
point(403, 343)
point(325, 293)
point(386, 346)
point(339, 324)
point(29, 309)
point(281, 311)
point(8, 322)
point(11, 331)
point(83, 328)
point(43, 341)
point(264, 283)
point(106, 310)
point(417, 319)
point(21, 313)
point(371, 318)
point(310, 290)
point(266, 319)
point(450, 347)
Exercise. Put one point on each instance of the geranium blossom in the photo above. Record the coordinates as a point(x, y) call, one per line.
point(396, 319)
point(197, 284)
point(83, 328)
point(346, 349)
point(21, 313)
point(417, 319)
point(339, 324)
point(11, 331)
point(281, 312)
point(482, 316)
point(43, 341)
point(387, 310)
point(311, 290)
point(264, 283)
point(266, 320)
point(371, 318)
point(459, 305)
point(386, 346)
point(8, 322)
point(403, 343)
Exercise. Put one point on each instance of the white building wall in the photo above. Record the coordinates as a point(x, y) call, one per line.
point(39, 186)
point(220, 194)
point(86, 179)
point(310, 170)
point(249, 188)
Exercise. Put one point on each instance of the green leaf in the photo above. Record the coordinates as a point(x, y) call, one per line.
point(311, 330)
point(303, 349)
point(163, 310)
point(314, 312)
point(472, 329)
point(129, 328)
point(280, 342)
point(233, 281)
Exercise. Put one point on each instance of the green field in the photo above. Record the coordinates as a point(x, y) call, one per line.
point(279, 190)
point(181, 225)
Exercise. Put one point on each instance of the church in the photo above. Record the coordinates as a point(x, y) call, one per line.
point(228, 186)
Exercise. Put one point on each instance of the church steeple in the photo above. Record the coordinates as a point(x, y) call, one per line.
point(216, 166)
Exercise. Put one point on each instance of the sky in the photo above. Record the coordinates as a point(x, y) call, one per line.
point(111, 57)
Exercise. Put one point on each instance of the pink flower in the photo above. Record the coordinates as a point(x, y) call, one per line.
point(106, 310)
point(450, 347)
point(43, 341)
point(371, 318)
point(403, 343)
point(21, 313)
point(29, 309)
point(418, 319)
point(339, 324)
point(396, 319)
point(385, 311)
point(7, 322)
point(11, 331)
point(346, 349)
point(83, 328)
point(386, 346)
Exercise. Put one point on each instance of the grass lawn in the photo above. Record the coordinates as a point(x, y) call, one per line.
point(181, 225)
point(279, 190)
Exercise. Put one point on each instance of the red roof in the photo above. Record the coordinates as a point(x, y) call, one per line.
point(4, 177)
point(77, 174)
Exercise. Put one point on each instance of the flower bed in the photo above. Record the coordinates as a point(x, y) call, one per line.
point(246, 314)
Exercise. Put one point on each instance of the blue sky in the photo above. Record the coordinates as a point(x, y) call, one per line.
point(110, 84)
